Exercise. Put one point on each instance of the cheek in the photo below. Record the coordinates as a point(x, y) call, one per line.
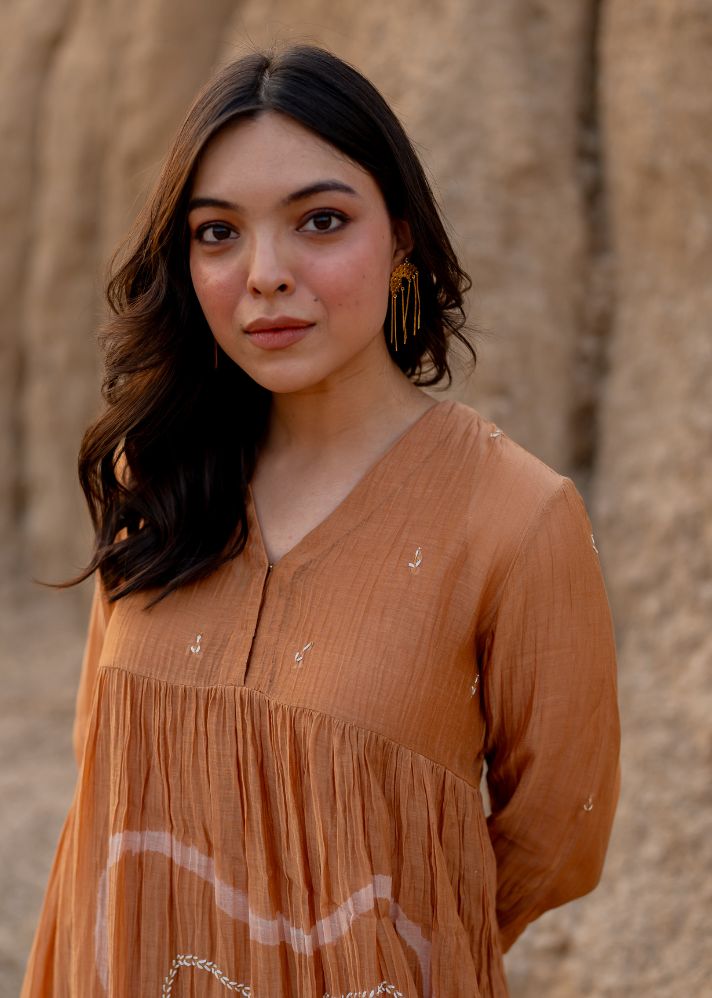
point(356, 279)
point(215, 287)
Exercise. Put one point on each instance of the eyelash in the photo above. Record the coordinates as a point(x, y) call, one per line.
point(202, 229)
point(207, 226)
point(329, 214)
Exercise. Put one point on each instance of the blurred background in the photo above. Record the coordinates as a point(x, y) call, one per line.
point(570, 144)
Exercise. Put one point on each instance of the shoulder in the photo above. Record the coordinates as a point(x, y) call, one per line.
point(516, 515)
point(501, 495)
point(495, 468)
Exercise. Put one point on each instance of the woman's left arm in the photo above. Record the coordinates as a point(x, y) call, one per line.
point(99, 616)
point(549, 695)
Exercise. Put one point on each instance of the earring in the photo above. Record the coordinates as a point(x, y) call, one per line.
point(215, 362)
point(407, 272)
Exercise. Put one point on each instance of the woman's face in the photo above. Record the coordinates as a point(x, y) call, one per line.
point(289, 234)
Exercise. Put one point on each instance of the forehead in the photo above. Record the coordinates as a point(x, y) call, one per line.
point(270, 152)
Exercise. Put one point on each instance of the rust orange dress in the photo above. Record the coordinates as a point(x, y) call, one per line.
point(279, 766)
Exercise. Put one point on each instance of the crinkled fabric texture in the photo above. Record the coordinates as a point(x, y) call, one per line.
point(279, 770)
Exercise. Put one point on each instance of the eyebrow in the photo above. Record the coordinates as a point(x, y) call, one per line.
point(320, 187)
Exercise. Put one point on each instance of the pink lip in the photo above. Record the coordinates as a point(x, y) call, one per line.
point(276, 324)
point(275, 338)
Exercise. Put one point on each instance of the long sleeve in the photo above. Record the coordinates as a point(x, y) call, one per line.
point(549, 691)
point(98, 619)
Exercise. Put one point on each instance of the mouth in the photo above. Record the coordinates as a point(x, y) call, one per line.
point(279, 324)
point(282, 334)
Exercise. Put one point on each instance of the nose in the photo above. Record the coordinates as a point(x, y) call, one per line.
point(268, 271)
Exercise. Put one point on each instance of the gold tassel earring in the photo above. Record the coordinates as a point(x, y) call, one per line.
point(407, 272)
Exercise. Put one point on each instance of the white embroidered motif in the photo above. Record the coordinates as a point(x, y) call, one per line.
point(588, 806)
point(593, 542)
point(188, 960)
point(384, 988)
point(495, 433)
point(475, 684)
point(415, 564)
point(299, 657)
point(196, 649)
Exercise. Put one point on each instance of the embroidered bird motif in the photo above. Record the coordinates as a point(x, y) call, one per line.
point(415, 564)
point(299, 656)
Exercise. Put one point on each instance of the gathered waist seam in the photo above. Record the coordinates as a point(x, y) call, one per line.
point(252, 690)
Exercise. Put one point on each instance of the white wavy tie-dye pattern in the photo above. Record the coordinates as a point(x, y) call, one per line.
point(234, 902)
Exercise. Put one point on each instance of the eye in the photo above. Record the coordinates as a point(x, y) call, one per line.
point(322, 221)
point(214, 232)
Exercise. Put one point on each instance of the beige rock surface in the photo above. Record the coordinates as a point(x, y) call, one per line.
point(571, 147)
point(24, 69)
point(644, 931)
point(654, 484)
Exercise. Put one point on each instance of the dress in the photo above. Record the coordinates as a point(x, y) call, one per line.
point(279, 768)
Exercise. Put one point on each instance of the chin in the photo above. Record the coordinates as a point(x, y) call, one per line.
point(287, 372)
point(286, 383)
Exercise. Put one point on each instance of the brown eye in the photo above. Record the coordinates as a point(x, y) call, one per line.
point(322, 221)
point(214, 232)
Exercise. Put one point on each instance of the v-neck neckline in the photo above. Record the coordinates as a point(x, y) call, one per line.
point(305, 548)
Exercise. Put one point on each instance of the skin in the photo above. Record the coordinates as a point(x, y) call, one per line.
point(338, 400)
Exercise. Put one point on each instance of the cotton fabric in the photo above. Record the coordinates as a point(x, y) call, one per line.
point(279, 769)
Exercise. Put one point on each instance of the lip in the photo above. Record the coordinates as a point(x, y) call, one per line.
point(277, 324)
point(277, 337)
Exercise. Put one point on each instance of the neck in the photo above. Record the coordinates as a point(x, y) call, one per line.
point(346, 413)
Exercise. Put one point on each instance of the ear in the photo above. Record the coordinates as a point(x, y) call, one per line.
point(402, 240)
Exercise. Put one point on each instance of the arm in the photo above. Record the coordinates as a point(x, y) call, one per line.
point(98, 619)
point(549, 691)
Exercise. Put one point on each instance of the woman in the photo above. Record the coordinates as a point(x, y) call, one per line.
point(325, 600)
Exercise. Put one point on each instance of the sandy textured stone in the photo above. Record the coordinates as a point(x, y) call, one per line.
point(112, 98)
point(643, 932)
point(61, 303)
point(34, 31)
point(572, 151)
point(654, 487)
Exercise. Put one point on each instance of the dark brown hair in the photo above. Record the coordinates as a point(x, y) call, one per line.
point(166, 466)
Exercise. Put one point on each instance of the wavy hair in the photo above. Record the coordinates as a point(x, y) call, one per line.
point(165, 467)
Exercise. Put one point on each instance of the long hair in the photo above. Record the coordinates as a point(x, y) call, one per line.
point(165, 467)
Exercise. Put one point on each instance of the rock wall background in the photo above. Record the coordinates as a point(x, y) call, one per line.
point(571, 146)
